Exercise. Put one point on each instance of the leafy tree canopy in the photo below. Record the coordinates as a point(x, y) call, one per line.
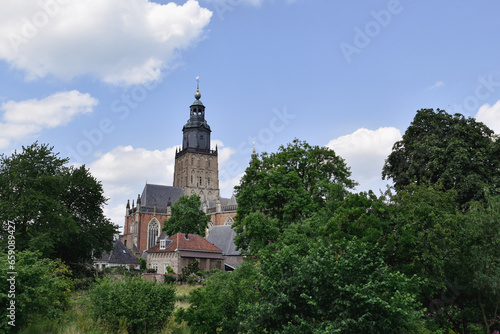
point(285, 187)
point(477, 266)
point(42, 288)
point(187, 217)
point(56, 209)
point(339, 288)
point(216, 307)
point(450, 151)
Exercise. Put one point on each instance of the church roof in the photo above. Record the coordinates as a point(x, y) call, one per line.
point(178, 241)
point(154, 194)
point(119, 254)
point(223, 202)
point(232, 200)
point(222, 236)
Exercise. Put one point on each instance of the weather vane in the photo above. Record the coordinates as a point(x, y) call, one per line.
point(198, 83)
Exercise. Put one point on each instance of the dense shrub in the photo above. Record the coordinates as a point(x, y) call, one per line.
point(191, 273)
point(215, 307)
point(170, 279)
point(139, 305)
point(42, 288)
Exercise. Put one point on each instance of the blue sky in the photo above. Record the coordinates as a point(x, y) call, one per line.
point(108, 83)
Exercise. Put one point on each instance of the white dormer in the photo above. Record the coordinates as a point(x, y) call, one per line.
point(162, 244)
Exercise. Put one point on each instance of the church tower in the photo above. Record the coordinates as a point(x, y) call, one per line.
point(196, 168)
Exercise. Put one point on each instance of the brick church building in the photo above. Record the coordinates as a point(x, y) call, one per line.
point(195, 172)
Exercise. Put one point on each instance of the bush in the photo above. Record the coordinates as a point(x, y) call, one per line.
point(170, 279)
point(42, 287)
point(143, 263)
point(215, 307)
point(191, 273)
point(138, 305)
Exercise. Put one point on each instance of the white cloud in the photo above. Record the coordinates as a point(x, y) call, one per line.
point(28, 118)
point(490, 115)
point(436, 85)
point(231, 4)
point(117, 41)
point(125, 170)
point(365, 152)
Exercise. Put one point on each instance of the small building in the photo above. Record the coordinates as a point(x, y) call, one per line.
point(223, 237)
point(120, 256)
point(181, 249)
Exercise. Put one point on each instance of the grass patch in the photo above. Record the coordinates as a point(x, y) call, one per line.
point(77, 319)
point(182, 295)
point(185, 289)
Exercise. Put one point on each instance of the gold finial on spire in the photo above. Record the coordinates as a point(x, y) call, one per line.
point(253, 151)
point(197, 95)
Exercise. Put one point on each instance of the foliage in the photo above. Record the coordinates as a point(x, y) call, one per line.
point(454, 253)
point(191, 273)
point(215, 307)
point(362, 216)
point(453, 152)
point(41, 286)
point(424, 231)
point(187, 217)
point(477, 266)
point(343, 288)
point(78, 320)
point(144, 264)
point(138, 305)
point(286, 187)
point(56, 209)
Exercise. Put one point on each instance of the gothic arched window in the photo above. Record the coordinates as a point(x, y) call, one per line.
point(153, 232)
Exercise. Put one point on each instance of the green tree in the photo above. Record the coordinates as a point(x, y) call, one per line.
point(454, 253)
point(40, 287)
point(55, 208)
point(215, 307)
point(362, 216)
point(138, 305)
point(187, 217)
point(424, 231)
point(452, 152)
point(334, 288)
point(283, 188)
point(477, 267)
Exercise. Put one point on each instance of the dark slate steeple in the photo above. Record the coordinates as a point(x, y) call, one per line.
point(196, 132)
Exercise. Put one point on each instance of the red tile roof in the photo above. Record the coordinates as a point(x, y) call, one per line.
point(193, 243)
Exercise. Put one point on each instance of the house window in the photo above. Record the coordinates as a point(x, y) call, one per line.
point(162, 244)
point(191, 178)
point(201, 179)
point(208, 181)
point(153, 230)
point(155, 266)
